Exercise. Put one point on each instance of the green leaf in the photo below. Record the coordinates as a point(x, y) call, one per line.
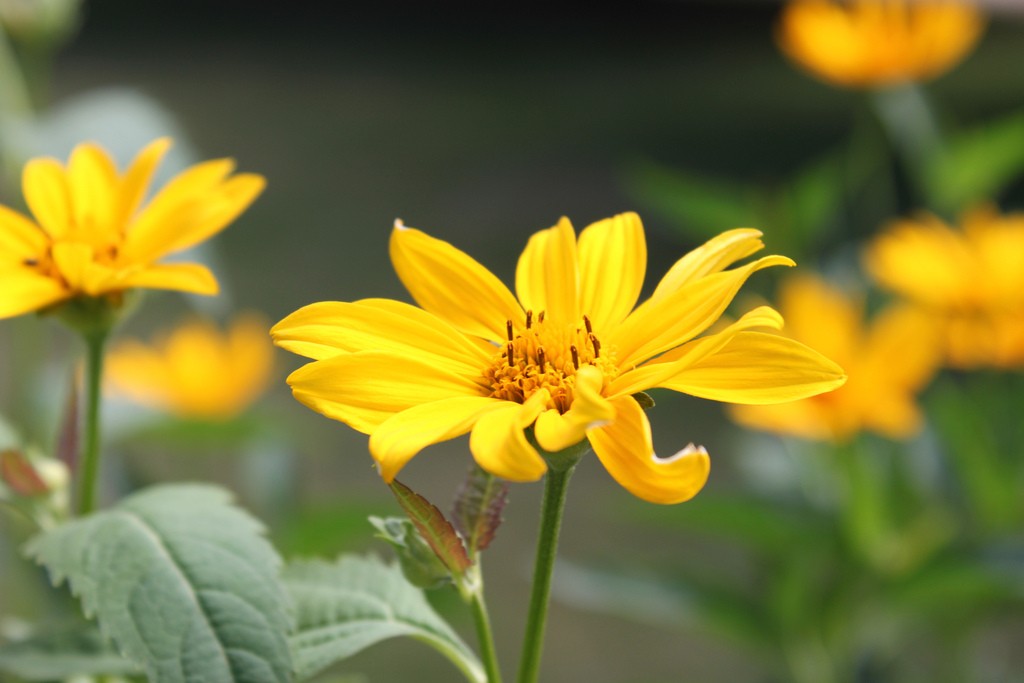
point(975, 166)
point(434, 528)
point(63, 654)
point(182, 581)
point(811, 199)
point(702, 207)
point(347, 606)
point(989, 479)
point(478, 507)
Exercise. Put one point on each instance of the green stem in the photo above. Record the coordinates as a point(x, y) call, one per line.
point(484, 634)
point(555, 485)
point(89, 462)
point(909, 121)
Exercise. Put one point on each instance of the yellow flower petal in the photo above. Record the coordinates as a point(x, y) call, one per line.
point(756, 367)
point(888, 361)
point(713, 256)
point(252, 358)
point(135, 182)
point(193, 207)
point(822, 316)
point(46, 192)
point(676, 318)
point(402, 436)
point(627, 452)
point(86, 240)
point(653, 372)
point(92, 184)
point(451, 285)
point(807, 419)
point(499, 444)
point(196, 371)
point(613, 260)
point(365, 389)
point(20, 238)
point(79, 269)
point(182, 277)
point(329, 328)
point(547, 275)
point(23, 290)
point(139, 372)
point(876, 43)
point(556, 432)
point(903, 346)
point(760, 318)
point(925, 261)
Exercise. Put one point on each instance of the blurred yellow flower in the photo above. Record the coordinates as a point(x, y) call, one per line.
point(887, 362)
point(196, 371)
point(971, 281)
point(876, 43)
point(92, 235)
point(565, 359)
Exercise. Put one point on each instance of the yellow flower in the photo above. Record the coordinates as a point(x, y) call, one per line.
point(196, 371)
point(873, 43)
point(888, 362)
point(565, 359)
point(970, 281)
point(92, 236)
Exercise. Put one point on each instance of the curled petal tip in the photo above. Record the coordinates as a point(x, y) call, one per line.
point(690, 449)
point(399, 225)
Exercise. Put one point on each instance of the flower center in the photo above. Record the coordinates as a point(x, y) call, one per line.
point(543, 355)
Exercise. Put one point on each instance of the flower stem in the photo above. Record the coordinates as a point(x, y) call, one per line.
point(555, 485)
point(484, 634)
point(89, 463)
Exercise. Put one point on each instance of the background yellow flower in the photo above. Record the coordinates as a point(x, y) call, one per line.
point(887, 362)
point(970, 281)
point(872, 43)
point(196, 370)
point(94, 235)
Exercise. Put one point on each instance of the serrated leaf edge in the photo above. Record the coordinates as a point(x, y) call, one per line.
point(89, 608)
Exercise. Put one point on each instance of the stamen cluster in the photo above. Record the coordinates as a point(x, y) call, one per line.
point(544, 355)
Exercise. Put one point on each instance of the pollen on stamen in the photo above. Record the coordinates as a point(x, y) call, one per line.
point(540, 357)
point(529, 319)
point(31, 262)
point(508, 329)
point(586, 322)
point(575, 356)
point(540, 318)
point(596, 344)
point(508, 351)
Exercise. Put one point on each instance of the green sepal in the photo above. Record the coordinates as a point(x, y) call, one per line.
point(478, 506)
point(20, 476)
point(644, 399)
point(95, 316)
point(420, 564)
point(434, 528)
